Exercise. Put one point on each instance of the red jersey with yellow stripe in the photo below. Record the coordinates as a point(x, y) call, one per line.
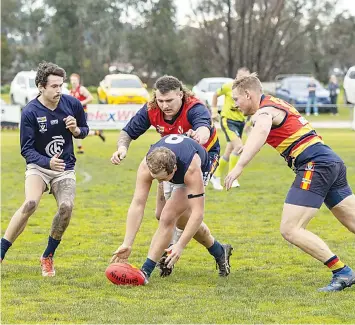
point(181, 124)
point(294, 134)
point(76, 93)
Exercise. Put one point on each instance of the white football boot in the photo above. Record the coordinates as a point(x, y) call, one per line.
point(216, 183)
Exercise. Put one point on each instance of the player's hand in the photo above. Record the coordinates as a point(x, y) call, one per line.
point(57, 164)
point(174, 253)
point(121, 254)
point(70, 123)
point(233, 175)
point(193, 135)
point(119, 155)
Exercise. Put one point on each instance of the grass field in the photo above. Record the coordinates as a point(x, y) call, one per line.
point(271, 281)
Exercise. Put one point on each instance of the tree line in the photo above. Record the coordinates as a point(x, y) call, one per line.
point(268, 36)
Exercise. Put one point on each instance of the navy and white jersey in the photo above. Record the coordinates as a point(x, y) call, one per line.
point(184, 149)
point(43, 132)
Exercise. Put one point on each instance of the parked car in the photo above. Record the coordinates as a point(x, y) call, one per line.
point(206, 87)
point(349, 86)
point(23, 88)
point(294, 89)
point(122, 89)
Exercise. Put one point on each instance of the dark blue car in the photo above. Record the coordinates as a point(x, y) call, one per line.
point(294, 89)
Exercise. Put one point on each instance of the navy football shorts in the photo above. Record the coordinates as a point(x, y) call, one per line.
point(318, 182)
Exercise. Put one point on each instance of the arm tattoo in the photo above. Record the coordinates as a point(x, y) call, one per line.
point(64, 193)
point(124, 139)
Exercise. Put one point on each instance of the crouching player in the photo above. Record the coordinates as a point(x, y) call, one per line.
point(183, 163)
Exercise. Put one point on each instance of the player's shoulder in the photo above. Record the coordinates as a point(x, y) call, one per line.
point(83, 90)
point(68, 99)
point(31, 107)
point(228, 85)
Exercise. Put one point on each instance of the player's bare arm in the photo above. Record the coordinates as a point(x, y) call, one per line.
point(136, 209)
point(123, 143)
point(86, 93)
point(135, 212)
point(196, 195)
point(262, 121)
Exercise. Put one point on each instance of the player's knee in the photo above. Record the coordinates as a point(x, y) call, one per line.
point(166, 221)
point(288, 232)
point(29, 207)
point(66, 208)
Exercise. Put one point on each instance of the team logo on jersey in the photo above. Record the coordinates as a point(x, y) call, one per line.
point(180, 130)
point(160, 129)
point(310, 166)
point(54, 122)
point(55, 146)
point(42, 122)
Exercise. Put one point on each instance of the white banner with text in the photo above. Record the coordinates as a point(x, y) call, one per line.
point(110, 117)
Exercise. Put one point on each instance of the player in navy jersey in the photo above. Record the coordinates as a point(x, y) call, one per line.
point(48, 124)
point(173, 109)
point(184, 164)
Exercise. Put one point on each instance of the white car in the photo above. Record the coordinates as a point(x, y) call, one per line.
point(23, 88)
point(206, 87)
point(349, 86)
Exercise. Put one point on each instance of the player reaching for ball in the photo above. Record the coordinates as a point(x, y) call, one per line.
point(320, 173)
point(173, 110)
point(183, 164)
point(48, 124)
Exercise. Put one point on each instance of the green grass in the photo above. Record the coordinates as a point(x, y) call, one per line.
point(271, 281)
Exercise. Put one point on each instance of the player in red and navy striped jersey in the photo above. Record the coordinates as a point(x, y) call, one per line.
point(320, 173)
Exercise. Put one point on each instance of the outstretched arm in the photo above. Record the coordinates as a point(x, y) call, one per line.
point(135, 213)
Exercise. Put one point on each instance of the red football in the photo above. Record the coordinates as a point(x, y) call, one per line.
point(124, 274)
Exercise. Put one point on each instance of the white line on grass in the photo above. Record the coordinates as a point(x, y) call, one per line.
point(87, 177)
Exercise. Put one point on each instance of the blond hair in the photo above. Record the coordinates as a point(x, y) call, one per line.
point(161, 159)
point(165, 84)
point(250, 82)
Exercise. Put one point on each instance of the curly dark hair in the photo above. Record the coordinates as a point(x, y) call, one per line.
point(165, 84)
point(45, 69)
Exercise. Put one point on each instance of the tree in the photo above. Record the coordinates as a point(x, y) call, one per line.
point(155, 44)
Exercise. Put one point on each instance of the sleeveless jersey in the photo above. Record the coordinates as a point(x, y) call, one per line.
point(76, 93)
point(184, 149)
point(293, 135)
point(181, 124)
